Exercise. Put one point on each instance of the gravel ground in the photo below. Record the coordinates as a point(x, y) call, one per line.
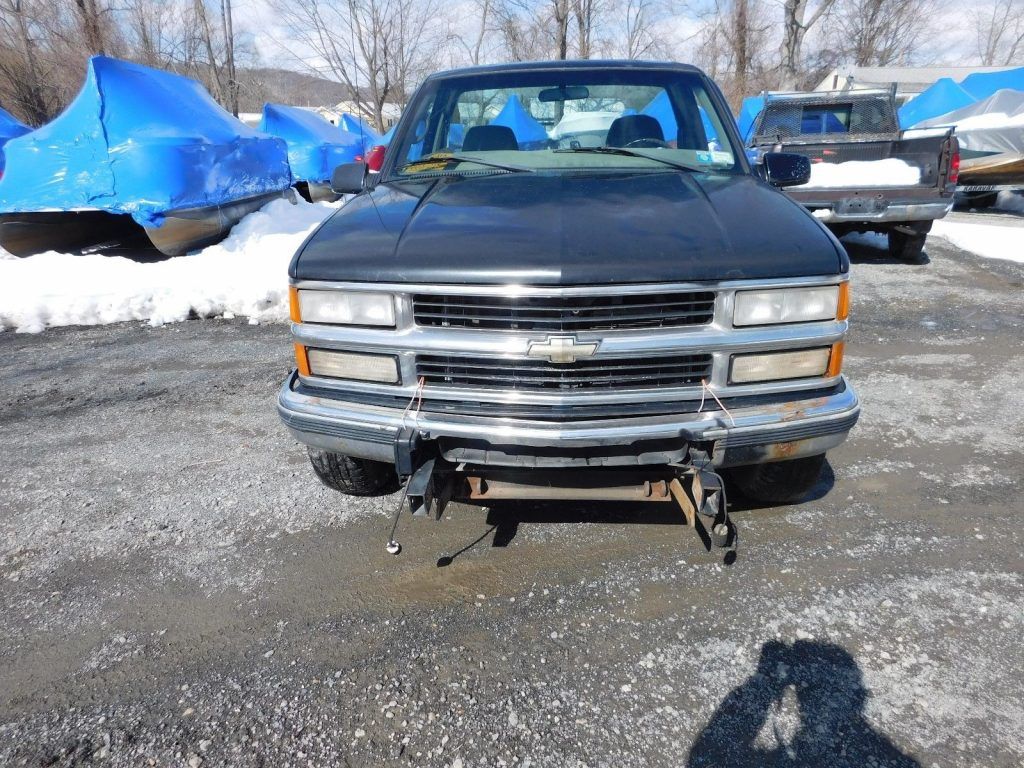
point(176, 589)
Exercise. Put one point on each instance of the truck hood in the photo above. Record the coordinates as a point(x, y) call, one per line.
point(569, 230)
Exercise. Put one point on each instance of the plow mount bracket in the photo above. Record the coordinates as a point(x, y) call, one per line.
point(699, 493)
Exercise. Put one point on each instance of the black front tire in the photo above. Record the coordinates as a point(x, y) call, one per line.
point(352, 476)
point(779, 482)
point(907, 246)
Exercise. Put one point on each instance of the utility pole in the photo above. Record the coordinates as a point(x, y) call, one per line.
point(229, 42)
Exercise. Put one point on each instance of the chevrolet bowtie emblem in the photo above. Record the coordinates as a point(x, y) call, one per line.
point(561, 349)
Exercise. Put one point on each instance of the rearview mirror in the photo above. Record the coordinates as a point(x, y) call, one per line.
point(564, 93)
point(348, 179)
point(786, 169)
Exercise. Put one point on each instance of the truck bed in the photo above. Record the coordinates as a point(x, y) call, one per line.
point(786, 126)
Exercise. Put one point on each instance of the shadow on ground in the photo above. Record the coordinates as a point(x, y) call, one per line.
point(872, 248)
point(750, 730)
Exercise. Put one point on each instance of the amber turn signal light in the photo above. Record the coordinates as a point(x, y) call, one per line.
point(301, 360)
point(835, 360)
point(293, 304)
point(843, 304)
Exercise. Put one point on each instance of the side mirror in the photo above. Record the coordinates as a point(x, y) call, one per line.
point(786, 169)
point(348, 179)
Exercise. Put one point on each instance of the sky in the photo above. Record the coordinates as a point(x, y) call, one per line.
point(951, 41)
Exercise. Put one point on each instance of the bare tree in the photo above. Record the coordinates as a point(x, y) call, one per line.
point(734, 39)
point(640, 40)
point(586, 13)
point(483, 24)
point(999, 32)
point(90, 19)
point(531, 31)
point(22, 73)
point(880, 32)
point(795, 24)
point(377, 48)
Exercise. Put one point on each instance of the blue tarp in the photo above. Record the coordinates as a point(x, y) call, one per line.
point(660, 108)
point(456, 135)
point(10, 128)
point(751, 108)
point(358, 126)
point(529, 133)
point(315, 147)
point(942, 97)
point(981, 85)
point(144, 142)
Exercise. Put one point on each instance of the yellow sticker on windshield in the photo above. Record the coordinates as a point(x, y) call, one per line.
point(439, 166)
point(441, 163)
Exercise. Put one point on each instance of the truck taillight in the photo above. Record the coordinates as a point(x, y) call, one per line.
point(375, 158)
point(954, 168)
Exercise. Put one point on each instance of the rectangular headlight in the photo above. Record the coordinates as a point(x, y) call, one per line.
point(786, 305)
point(776, 366)
point(347, 308)
point(382, 369)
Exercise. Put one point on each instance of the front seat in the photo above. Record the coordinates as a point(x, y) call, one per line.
point(486, 138)
point(630, 128)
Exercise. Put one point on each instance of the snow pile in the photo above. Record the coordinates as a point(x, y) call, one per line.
point(1010, 201)
point(246, 274)
point(993, 241)
point(990, 120)
point(891, 172)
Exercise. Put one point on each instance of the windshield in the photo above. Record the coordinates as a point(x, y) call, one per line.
point(562, 122)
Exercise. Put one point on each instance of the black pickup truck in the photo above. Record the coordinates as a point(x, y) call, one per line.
point(900, 196)
point(554, 319)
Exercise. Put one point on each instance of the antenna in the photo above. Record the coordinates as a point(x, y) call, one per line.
point(356, 101)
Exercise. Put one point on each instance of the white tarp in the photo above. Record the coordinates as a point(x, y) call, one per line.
point(995, 124)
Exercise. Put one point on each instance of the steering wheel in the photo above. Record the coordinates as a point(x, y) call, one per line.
point(648, 142)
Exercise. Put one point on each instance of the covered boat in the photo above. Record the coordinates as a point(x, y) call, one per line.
point(941, 97)
point(530, 134)
point(359, 127)
point(991, 135)
point(588, 128)
point(315, 147)
point(750, 109)
point(136, 148)
point(660, 108)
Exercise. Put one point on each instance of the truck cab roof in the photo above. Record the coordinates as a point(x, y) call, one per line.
point(569, 64)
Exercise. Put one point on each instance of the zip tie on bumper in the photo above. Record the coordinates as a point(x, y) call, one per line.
point(705, 388)
point(393, 547)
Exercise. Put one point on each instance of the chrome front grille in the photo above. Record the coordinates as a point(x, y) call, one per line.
point(565, 313)
point(592, 374)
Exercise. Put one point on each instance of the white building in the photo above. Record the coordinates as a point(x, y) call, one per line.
point(391, 112)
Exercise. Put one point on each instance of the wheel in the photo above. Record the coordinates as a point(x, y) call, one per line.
point(981, 199)
point(906, 246)
point(779, 482)
point(352, 476)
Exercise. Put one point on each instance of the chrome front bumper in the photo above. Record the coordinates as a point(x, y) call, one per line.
point(891, 214)
point(743, 436)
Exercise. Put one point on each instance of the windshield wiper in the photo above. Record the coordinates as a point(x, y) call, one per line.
point(459, 158)
point(632, 153)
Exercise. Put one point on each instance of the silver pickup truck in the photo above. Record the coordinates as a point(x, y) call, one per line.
point(836, 127)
